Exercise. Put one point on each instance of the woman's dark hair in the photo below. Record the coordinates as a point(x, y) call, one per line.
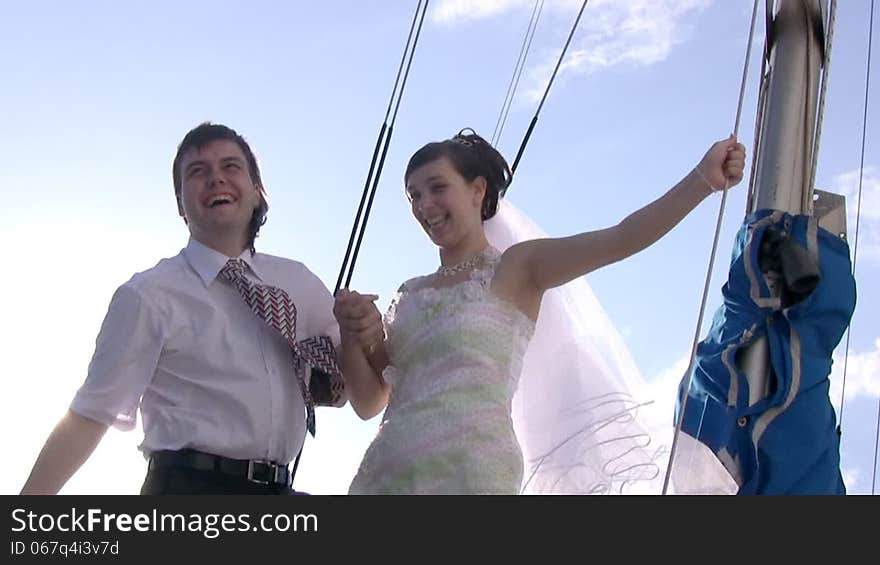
point(472, 156)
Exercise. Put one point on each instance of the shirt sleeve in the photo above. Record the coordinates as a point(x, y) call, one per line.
point(126, 355)
point(322, 321)
point(327, 390)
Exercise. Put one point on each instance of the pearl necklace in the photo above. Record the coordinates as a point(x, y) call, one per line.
point(445, 271)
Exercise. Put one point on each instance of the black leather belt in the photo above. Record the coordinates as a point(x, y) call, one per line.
point(254, 470)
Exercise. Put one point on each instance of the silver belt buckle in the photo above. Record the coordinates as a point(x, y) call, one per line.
point(269, 469)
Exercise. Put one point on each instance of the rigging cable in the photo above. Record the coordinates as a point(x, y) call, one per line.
point(856, 241)
point(382, 143)
point(858, 206)
point(517, 72)
point(690, 368)
point(525, 140)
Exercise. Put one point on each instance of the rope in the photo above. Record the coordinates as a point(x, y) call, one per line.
point(517, 72)
point(534, 122)
point(706, 286)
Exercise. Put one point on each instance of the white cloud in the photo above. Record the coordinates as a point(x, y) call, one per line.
point(862, 374)
point(453, 11)
point(862, 380)
point(642, 32)
point(639, 33)
point(697, 469)
point(663, 391)
point(869, 230)
point(636, 32)
point(850, 477)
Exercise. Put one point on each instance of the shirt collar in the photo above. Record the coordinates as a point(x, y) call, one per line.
point(208, 262)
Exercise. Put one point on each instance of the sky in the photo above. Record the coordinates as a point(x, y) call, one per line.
point(97, 94)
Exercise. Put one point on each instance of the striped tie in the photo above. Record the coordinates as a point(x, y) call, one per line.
point(275, 307)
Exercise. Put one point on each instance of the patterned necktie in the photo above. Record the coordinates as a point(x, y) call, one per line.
point(275, 307)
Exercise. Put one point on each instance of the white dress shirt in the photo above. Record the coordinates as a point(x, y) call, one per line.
point(206, 372)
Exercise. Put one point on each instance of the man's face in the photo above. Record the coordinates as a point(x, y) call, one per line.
point(217, 196)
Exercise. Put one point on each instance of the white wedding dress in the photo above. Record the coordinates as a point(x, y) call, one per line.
point(485, 401)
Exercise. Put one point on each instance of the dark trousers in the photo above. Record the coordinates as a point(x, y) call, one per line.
point(182, 480)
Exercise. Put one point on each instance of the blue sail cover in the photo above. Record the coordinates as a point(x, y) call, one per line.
point(785, 443)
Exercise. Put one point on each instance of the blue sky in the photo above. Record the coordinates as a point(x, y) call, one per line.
point(97, 95)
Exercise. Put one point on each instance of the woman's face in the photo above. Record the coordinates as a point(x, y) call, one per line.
point(444, 203)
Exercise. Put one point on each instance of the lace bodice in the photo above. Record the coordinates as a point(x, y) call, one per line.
point(458, 333)
point(456, 354)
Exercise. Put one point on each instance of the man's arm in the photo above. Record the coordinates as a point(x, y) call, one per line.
point(126, 354)
point(69, 446)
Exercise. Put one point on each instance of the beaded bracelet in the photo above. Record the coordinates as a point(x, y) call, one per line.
point(712, 187)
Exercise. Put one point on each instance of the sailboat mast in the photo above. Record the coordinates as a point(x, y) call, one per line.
point(784, 155)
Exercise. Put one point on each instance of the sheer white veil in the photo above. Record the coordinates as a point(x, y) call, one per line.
point(578, 412)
